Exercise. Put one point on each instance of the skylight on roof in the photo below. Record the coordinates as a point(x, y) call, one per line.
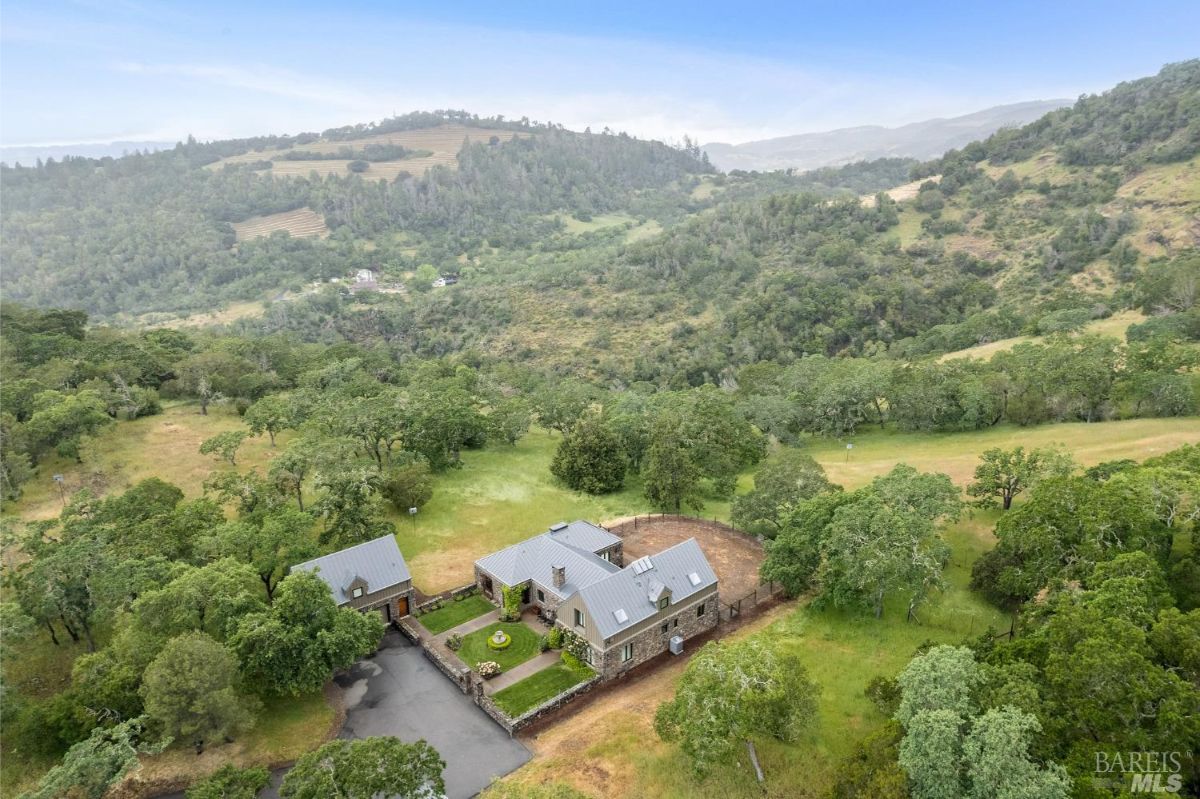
point(694, 578)
point(620, 615)
point(642, 565)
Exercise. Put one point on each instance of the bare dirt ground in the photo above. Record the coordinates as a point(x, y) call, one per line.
point(734, 557)
point(584, 747)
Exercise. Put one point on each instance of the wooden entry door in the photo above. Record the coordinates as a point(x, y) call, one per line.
point(402, 606)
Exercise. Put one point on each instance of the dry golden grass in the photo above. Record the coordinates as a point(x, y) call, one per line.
point(300, 223)
point(957, 454)
point(590, 749)
point(905, 192)
point(230, 313)
point(442, 142)
point(164, 446)
point(1114, 326)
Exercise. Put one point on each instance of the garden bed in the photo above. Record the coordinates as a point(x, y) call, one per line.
point(455, 612)
point(522, 646)
point(540, 687)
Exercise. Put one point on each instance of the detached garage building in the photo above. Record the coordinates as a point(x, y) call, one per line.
point(367, 576)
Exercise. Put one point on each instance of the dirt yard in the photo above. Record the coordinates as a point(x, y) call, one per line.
point(734, 557)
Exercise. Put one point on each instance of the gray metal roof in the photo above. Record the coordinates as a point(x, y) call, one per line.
point(572, 546)
point(378, 562)
point(631, 592)
point(583, 535)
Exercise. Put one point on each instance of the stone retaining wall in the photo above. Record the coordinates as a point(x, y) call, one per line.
point(460, 675)
point(515, 725)
point(442, 598)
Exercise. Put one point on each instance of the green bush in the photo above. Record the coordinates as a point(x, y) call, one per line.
point(544, 643)
point(454, 642)
point(512, 604)
point(575, 645)
point(555, 637)
point(572, 662)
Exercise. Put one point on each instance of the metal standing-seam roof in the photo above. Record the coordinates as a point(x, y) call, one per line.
point(534, 559)
point(630, 592)
point(583, 535)
point(378, 562)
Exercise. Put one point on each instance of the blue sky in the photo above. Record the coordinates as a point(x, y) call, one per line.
point(103, 70)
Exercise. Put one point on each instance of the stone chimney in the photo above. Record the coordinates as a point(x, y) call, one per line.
point(560, 575)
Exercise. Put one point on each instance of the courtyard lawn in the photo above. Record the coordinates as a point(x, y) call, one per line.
point(454, 613)
point(538, 688)
point(524, 645)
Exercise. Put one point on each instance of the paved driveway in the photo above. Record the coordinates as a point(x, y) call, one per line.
point(399, 692)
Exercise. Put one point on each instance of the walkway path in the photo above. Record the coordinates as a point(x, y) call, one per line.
point(477, 623)
point(517, 673)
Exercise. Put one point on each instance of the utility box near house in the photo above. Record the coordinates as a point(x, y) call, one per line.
point(676, 644)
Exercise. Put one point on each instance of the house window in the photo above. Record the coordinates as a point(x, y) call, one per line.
point(675, 622)
point(357, 593)
point(666, 627)
point(626, 653)
point(700, 610)
point(541, 596)
point(579, 618)
point(664, 602)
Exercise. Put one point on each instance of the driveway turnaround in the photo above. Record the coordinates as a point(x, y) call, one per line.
point(399, 692)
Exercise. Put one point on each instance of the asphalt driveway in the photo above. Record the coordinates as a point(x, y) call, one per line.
point(399, 692)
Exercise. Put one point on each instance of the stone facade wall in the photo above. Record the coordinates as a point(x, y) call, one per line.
point(616, 553)
point(653, 641)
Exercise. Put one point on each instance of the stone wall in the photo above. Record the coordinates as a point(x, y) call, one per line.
point(514, 725)
point(428, 603)
point(652, 641)
point(452, 668)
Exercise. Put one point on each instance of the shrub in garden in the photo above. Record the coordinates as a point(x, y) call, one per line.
point(544, 643)
point(555, 637)
point(512, 604)
point(488, 669)
point(454, 642)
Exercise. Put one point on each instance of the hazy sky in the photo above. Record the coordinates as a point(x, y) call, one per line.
point(103, 70)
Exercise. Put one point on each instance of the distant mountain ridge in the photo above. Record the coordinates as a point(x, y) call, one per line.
point(28, 154)
point(924, 140)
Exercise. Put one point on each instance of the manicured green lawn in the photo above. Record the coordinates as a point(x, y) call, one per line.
point(455, 613)
point(536, 689)
point(524, 645)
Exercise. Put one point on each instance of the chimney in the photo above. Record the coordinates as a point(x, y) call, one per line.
point(560, 575)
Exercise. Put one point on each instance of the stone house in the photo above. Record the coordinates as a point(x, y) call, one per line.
point(368, 576)
point(551, 566)
point(652, 605)
point(573, 575)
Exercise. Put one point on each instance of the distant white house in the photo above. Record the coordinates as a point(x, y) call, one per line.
point(364, 276)
point(447, 280)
